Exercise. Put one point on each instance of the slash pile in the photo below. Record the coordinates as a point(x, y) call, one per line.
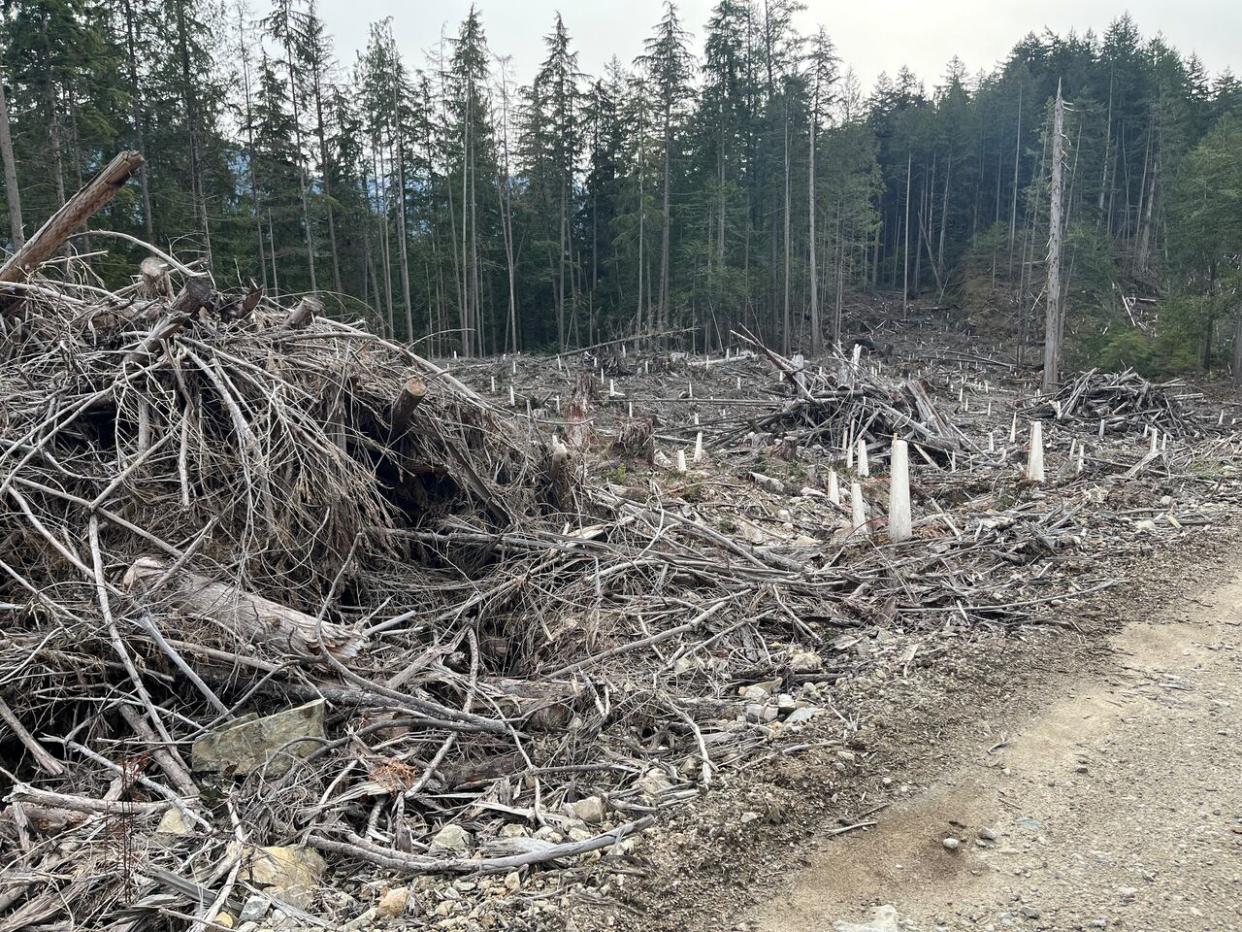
point(1123, 401)
point(278, 596)
point(838, 405)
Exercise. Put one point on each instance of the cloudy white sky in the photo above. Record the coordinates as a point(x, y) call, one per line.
point(871, 36)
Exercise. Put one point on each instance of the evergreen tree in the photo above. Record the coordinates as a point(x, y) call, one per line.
point(551, 146)
point(760, 189)
point(670, 67)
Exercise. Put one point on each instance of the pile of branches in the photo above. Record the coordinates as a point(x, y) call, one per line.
point(837, 406)
point(1125, 401)
point(221, 509)
point(209, 504)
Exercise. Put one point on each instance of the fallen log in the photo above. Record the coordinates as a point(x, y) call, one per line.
point(76, 211)
point(252, 617)
point(195, 295)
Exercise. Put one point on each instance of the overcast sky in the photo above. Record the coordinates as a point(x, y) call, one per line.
point(871, 36)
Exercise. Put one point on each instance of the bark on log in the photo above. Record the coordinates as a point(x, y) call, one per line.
point(304, 313)
point(76, 211)
point(412, 395)
point(195, 295)
point(154, 281)
point(252, 617)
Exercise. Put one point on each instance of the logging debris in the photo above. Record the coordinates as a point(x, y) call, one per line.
point(271, 582)
point(1123, 401)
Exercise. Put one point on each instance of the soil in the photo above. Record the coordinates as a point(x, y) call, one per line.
point(1116, 804)
point(1089, 773)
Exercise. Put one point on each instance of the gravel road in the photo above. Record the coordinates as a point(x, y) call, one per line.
point(1116, 804)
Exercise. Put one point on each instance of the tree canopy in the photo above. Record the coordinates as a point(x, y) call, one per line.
point(749, 181)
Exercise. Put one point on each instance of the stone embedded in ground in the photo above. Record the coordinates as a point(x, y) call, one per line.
point(590, 810)
point(951, 843)
point(883, 919)
point(805, 714)
point(654, 782)
point(805, 661)
point(255, 908)
point(291, 872)
point(394, 903)
point(757, 712)
point(271, 740)
point(451, 839)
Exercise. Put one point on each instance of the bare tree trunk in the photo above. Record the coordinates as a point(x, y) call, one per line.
point(191, 110)
point(271, 242)
point(875, 254)
point(466, 340)
point(1108, 139)
point(302, 186)
point(403, 248)
point(136, 100)
point(438, 327)
point(1053, 321)
point(905, 253)
point(667, 212)
point(642, 213)
point(385, 240)
point(944, 221)
point(243, 52)
point(840, 302)
point(12, 195)
point(1144, 245)
point(787, 334)
point(817, 338)
point(58, 161)
point(572, 266)
point(506, 206)
point(327, 178)
point(1237, 349)
point(1013, 208)
point(720, 218)
point(560, 275)
point(476, 305)
point(919, 219)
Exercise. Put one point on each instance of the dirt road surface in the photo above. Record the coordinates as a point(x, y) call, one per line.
point(1116, 804)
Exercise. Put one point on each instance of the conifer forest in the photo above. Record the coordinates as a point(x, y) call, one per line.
point(746, 178)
